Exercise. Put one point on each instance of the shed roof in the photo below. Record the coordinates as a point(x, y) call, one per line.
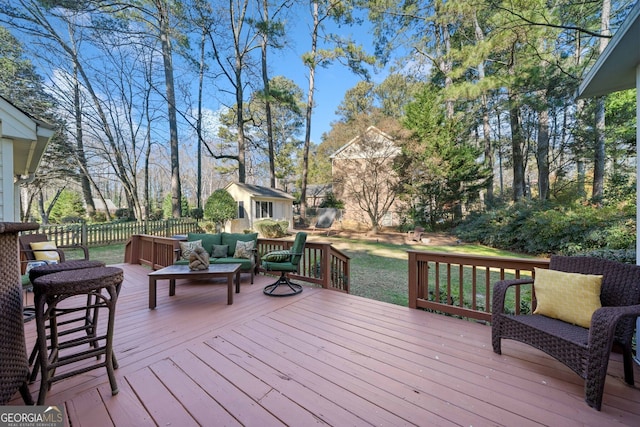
point(258, 191)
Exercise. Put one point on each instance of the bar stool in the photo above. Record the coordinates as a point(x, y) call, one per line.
point(102, 286)
point(86, 321)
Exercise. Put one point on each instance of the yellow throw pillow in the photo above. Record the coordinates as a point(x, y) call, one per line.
point(571, 297)
point(41, 254)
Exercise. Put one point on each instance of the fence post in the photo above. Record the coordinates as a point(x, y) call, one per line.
point(83, 234)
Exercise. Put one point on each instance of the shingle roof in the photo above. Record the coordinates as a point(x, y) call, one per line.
point(256, 190)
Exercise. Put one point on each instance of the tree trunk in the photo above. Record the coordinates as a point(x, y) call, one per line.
point(486, 127)
point(516, 144)
point(165, 40)
point(267, 95)
point(542, 154)
point(85, 184)
point(599, 151)
point(309, 111)
point(199, 121)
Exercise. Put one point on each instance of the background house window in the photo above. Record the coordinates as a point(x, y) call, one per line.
point(264, 209)
point(241, 211)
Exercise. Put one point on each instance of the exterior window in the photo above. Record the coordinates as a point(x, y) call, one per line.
point(264, 209)
point(241, 211)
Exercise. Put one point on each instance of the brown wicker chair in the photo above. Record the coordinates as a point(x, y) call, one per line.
point(585, 351)
point(27, 254)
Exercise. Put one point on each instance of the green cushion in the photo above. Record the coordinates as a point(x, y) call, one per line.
point(279, 266)
point(219, 251)
point(277, 256)
point(208, 240)
point(246, 263)
point(230, 239)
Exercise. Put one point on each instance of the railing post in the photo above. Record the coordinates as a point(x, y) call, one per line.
point(413, 280)
point(326, 266)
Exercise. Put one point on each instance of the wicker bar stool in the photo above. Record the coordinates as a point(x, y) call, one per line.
point(102, 286)
point(86, 320)
point(14, 367)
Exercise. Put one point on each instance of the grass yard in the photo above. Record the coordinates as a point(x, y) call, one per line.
point(378, 264)
point(379, 267)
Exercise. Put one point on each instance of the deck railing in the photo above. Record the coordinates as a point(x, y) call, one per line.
point(321, 263)
point(461, 285)
point(119, 232)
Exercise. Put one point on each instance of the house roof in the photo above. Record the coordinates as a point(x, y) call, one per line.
point(617, 67)
point(99, 205)
point(30, 137)
point(347, 150)
point(258, 191)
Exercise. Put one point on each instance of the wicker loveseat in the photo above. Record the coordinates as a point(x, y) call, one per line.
point(209, 240)
point(585, 350)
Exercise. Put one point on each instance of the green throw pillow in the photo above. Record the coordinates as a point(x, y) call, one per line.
point(277, 256)
point(220, 251)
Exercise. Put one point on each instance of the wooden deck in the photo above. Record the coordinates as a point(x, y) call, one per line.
point(321, 357)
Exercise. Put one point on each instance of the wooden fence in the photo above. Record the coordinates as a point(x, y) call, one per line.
point(321, 264)
point(120, 232)
point(461, 285)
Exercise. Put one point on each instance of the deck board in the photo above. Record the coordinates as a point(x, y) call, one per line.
point(319, 358)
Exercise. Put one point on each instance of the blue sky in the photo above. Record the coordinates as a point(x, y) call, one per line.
point(331, 83)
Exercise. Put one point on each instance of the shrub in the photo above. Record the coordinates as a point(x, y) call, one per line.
point(71, 219)
point(156, 215)
point(272, 229)
point(220, 207)
point(544, 229)
point(124, 214)
point(196, 213)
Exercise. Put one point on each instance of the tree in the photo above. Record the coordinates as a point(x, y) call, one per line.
point(340, 49)
point(438, 170)
point(167, 206)
point(220, 207)
point(363, 173)
point(277, 142)
point(67, 204)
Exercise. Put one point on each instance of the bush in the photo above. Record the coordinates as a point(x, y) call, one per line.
point(124, 214)
point(71, 220)
point(272, 229)
point(98, 217)
point(220, 207)
point(156, 215)
point(545, 229)
point(196, 213)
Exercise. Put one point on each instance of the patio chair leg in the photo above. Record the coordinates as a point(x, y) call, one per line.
point(283, 281)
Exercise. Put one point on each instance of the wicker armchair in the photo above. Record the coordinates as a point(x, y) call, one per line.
point(585, 351)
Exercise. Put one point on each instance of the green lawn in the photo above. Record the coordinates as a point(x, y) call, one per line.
point(378, 269)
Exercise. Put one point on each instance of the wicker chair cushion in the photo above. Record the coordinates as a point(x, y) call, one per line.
point(41, 254)
point(570, 297)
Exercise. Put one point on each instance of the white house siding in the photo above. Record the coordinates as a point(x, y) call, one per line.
point(6, 181)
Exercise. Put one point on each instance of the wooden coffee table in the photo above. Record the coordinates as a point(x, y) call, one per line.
point(174, 272)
